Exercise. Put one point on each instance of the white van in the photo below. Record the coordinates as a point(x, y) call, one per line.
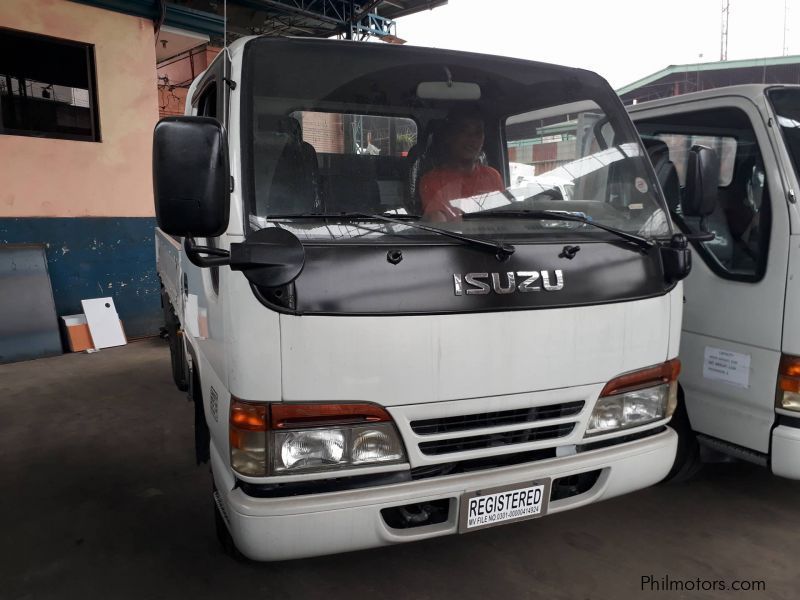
point(364, 375)
point(740, 347)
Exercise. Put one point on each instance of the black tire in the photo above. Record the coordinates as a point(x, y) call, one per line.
point(687, 458)
point(177, 353)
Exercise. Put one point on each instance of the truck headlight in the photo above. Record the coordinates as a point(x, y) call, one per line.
point(339, 447)
point(312, 437)
point(636, 398)
point(788, 395)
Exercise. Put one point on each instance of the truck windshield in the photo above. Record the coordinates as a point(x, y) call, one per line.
point(443, 138)
point(786, 103)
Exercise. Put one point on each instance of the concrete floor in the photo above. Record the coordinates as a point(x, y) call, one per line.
point(101, 498)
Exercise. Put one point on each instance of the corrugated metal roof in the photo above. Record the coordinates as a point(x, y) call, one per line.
point(710, 66)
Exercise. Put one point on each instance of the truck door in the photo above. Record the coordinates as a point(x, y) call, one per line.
point(734, 297)
point(203, 302)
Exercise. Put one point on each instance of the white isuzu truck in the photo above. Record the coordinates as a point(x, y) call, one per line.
point(740, 347)
point(364, 374)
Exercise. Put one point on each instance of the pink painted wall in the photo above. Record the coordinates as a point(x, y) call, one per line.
point(63, 178)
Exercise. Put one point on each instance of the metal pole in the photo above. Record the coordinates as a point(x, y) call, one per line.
point(349, 33)
point(785, 25)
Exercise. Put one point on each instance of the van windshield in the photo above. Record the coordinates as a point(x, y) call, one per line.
point(786, 104)
point(337, 131)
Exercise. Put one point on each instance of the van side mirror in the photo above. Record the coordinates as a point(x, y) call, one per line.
point(702, 180)
point(191, 176)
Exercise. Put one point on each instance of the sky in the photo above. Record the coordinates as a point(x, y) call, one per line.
point(622, 40)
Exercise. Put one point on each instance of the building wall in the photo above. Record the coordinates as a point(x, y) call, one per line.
point(91, 203)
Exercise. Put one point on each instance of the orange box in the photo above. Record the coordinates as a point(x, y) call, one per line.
point(79, 337)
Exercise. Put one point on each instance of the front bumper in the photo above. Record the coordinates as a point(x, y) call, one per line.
point(329, 523)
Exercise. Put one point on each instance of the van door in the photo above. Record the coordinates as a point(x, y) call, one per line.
point(734, 297)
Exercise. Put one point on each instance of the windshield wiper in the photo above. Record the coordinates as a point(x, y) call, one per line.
point(640, 241)
point(501, 249)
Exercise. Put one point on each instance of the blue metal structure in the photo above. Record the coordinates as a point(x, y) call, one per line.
point(315, 18)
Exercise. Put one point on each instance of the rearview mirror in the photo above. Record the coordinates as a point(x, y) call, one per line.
point(702, 181)
point(448, 90)
point(191, 180)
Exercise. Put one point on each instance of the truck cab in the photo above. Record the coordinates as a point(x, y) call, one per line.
point(367, 370)
point(741, 334)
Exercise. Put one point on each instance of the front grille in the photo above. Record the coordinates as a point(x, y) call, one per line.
point(495, 440)
point(496, 419)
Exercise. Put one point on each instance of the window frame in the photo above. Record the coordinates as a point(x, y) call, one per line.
point(213, 80)
point(91, 66)
point(661, 127)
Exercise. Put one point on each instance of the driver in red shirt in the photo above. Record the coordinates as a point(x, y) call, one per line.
point(458, 174)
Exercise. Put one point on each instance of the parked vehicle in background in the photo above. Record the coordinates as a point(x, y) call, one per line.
point(740, 347)
point(525, 184)
point(363, 376)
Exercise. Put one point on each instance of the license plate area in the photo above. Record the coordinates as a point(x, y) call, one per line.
point(504, 504)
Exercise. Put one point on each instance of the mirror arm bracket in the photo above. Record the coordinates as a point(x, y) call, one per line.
point(214, 257)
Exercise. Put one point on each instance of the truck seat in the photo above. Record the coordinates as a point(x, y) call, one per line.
point(351, 184)
point(291, 185)
point(666, 173)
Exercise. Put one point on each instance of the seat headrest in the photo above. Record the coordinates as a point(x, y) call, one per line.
point(281, 124)
point(667, 174)
point(702, 181)
point(657, 149)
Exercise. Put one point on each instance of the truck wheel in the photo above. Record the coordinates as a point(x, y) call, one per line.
point(687, 458)
point(224, 536)
point(176, 350)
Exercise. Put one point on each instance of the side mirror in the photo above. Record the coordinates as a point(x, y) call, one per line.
point(702, 181)
point(191, 176)
point(270, 257)
point(676, 258)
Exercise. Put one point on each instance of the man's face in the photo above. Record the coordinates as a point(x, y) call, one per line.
point(466, 139)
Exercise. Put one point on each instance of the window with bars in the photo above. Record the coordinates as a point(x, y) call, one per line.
point(47, 87)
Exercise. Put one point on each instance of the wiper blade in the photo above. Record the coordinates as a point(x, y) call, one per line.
point(640, 241)
point(501, 249)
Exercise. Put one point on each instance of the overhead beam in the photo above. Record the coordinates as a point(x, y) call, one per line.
point(176, 16)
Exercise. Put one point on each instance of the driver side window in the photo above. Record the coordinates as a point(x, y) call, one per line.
point(740, 219)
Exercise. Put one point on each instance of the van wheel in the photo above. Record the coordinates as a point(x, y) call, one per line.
point(687, 458)
point(177, 352)
point(224, 536)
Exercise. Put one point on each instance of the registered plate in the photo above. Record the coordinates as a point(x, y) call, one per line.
point(507, 504)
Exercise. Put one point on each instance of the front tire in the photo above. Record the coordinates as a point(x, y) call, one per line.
point(177, 353)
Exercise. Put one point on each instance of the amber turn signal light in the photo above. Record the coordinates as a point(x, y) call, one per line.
point(666, 372)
